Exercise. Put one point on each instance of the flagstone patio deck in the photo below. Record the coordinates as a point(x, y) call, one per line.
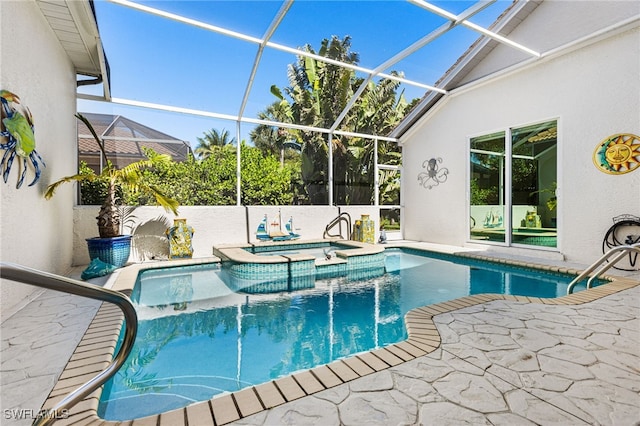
point(486, 359)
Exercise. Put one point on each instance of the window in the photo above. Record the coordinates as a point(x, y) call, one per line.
point(512, 186)
point(389, 171)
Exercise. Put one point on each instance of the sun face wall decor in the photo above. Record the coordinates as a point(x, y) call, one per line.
point(618, 154)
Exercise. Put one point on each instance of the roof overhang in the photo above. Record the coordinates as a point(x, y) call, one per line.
point(74, 24)
point(455, 81)
point(454, 76)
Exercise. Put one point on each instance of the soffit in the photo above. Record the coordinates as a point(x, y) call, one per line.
point(74, 24)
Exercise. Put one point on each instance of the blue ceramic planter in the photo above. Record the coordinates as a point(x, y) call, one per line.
point(114, 251)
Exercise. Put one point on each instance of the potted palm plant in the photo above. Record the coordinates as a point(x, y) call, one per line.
point(112, 247)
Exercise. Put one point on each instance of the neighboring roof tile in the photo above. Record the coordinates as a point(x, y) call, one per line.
point(126, 138)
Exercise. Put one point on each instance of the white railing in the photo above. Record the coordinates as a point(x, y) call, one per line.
point(619, 251)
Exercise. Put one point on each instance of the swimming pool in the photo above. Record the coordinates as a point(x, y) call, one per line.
point(197, 339)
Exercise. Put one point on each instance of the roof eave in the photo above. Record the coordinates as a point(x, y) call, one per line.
point(74, 24)
point(469, 59)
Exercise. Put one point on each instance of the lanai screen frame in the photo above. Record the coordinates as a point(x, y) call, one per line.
point(264, 42)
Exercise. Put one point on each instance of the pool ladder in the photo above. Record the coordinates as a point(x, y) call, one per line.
point(18, 273)
point(619, 251)
point(342, 217)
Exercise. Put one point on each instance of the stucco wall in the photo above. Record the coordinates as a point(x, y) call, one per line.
point(589, 96)
point(36, 232)
point(554, 23)
point(213, 225)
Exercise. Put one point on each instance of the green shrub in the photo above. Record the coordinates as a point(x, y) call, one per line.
point(209, 182)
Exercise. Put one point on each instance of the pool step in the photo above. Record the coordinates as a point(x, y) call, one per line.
point(320, 262)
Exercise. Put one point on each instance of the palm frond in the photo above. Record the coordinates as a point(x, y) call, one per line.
point(96, 137)
point(169, 204)
point(51, 189)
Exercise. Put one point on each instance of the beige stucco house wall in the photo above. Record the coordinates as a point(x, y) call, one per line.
point(590, 86)
point(36, 232)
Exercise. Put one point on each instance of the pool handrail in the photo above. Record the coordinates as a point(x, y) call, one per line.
point(336, 221)
point(621, 252)
point(23, 274)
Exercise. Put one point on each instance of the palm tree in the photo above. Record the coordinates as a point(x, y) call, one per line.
point(316, 95)
point(131, 177)
point(378, 111)
point(270, 139)
point(212, 139)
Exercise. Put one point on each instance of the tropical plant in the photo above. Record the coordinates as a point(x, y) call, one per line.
point(318, 93)
point(377, 112)
point(93, 190)
point(129, 177)
point(274, 140)
point(212, 181)
point(389, 187)
point(552, 201)
point(212, 138)
point(264, 181)
point(483, 196)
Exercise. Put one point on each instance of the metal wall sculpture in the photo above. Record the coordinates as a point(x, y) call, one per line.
point(435, 175)
point(16, 138)
point(618, 154)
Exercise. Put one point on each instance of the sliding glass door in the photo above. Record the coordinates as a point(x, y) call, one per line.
point(512, 186)
point(487, 187)
point(533, 184)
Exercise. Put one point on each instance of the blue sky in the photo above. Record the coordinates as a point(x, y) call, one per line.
point(154, 59)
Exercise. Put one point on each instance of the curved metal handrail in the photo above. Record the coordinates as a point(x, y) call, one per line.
point(335, 222)
point(621, 252)
point(42, 279)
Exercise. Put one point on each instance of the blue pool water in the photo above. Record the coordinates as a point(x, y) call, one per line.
point(197, 338)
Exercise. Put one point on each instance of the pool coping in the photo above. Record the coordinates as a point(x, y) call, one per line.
point(97, 347)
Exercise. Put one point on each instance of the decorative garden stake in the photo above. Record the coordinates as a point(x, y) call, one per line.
point(17, 138)
point(434, 175)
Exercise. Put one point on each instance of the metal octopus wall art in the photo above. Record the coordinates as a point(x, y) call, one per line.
point(435, 175)
point(17, 138)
